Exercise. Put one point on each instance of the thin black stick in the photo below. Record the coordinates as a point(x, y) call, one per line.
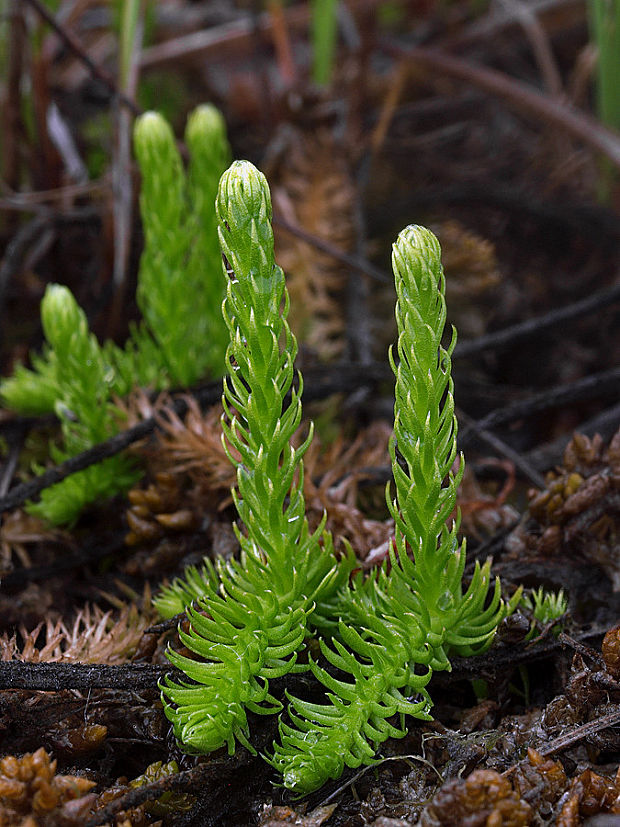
point(498, 445)
point(31, 489)
point(355, 262)
point(52, 677)
point(321, 383)
point(606, 383)
point(535, 327)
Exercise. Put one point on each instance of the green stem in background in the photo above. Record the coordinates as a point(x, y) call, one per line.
point(324, 29)
point(604, 23)
point(250, 626)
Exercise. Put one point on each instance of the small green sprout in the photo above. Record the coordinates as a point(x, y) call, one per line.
point(174, 599)
point(546, 607)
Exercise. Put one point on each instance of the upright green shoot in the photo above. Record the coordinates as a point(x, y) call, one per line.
point(423, 452)
point(250, 626)
point(86, 414)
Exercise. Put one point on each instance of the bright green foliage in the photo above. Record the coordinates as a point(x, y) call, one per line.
point(33, 392)
point(180, 288)
point(251, 625)
point(410, 619)
point(385, 681)
point(389, 631)
point(545, 607)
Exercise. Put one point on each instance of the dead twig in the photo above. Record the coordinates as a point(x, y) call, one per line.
point(355, 262)
point(32, 489)
point(73, 44)
point(498, 445)
point(541, 324)
point(573, 737)
point(591, 387)
point(52, 677)
point(37, 200)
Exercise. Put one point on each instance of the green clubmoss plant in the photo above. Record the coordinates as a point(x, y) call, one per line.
point(180, 286)
point(400, 625)
point(250, 625)
point(182, 335)
point(386, 633)
point(86, 414)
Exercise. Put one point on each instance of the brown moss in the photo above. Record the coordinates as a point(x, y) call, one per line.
point(30, 790)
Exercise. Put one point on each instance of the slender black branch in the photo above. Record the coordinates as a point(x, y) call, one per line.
point(321, 383)
point(52, 677)
point(535, 327)
point(353, 261)
point(498, 445)
point(32, 489)
point(606, 383)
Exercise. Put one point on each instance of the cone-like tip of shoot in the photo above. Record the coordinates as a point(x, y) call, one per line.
point(418, 241)
point(60, 313)
point(206, 124)
point(151, 134)
point(243, 196)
